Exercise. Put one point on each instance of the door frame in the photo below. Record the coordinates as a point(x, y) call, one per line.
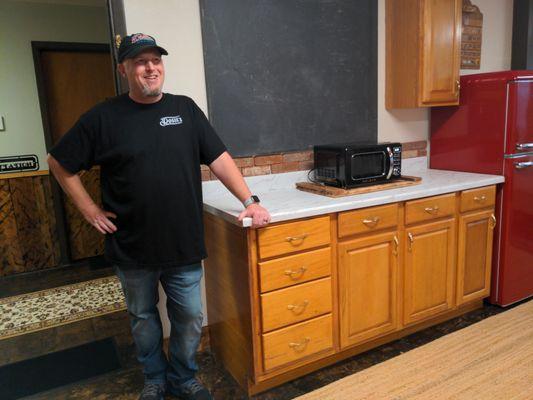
point(117, 30)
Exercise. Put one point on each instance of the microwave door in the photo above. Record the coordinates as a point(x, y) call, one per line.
point(371, 165)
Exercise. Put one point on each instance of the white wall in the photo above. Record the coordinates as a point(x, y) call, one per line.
point(497, 36)
point(20, 24)
point(176, 26)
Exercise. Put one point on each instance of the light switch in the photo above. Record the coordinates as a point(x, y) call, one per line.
point(2, 124)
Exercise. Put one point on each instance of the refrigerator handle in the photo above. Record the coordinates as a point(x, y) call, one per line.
point(524, 146)
point(523, 164)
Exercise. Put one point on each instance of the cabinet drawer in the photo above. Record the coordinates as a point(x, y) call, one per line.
point(293, 236)
point(291, 270)
point(368, 220)
point(297, 341)
point(478, 198)
point(288, 306)
point(429, 208)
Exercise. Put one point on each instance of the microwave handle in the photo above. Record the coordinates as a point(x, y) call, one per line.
point(391, 162)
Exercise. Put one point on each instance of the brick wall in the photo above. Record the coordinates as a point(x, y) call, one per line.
point(297, 161)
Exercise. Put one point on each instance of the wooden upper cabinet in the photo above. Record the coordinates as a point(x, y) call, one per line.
point(422, 53)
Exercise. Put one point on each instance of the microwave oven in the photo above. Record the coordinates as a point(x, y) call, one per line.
point(350, 165)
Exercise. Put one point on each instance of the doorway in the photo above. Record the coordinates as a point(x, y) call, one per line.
point(73, 78)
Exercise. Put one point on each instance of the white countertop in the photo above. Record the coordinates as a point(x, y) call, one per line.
point(280, 197)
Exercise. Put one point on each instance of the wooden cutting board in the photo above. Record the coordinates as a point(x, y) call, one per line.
point(332, 191)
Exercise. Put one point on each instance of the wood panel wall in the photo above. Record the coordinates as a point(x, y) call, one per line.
point(28, 235)
point(84, 240)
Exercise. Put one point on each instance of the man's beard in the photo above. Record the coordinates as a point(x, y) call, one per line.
point(149, 92)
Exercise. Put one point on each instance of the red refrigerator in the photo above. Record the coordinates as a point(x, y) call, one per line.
point(491, 132)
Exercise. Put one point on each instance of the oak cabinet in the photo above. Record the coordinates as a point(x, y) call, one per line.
point(368, 282)
point(429, 270)
point(295, 296)
point(474, 255)
point(422, 52)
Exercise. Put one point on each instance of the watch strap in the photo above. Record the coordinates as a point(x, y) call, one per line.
point(251, 200)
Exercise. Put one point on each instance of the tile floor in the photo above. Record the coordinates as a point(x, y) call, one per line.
point(126, 383)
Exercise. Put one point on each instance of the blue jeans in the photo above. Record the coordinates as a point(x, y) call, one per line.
point(184, 308)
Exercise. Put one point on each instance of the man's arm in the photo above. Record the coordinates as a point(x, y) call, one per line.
point(71, 184)
point(225, 169)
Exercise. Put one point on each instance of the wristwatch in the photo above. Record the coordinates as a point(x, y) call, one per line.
point(251, 200)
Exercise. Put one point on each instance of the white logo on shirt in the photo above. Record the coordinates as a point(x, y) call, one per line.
point(173, 120)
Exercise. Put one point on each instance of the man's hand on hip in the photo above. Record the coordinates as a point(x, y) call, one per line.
point(100, 219)
point(260, 216)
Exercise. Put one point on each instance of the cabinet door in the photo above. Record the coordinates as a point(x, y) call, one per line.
point(368, 276)
point(474, 255)
point(441, 39)
point(429, 267)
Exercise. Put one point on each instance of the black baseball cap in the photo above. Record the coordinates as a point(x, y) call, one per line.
point(135, 43)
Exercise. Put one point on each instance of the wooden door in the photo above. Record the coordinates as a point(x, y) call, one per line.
point(474, 255)
point(368, 277)
point(440, 51)
point(74, 81)
point(429, 270)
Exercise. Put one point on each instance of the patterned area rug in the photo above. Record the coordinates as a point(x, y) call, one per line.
point(59, 306)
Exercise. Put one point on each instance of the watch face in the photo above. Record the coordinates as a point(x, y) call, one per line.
point(255, 198)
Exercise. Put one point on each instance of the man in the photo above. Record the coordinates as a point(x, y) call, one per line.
point(150, 145)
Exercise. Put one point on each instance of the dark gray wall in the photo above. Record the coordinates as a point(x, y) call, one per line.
point(287, 74)
point(522, 47)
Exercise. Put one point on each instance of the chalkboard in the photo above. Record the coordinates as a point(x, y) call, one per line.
point(285, 75)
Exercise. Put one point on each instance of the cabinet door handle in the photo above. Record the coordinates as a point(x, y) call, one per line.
point(296, 274)
point(457, 85)
point(300, 346)
point(299, 308)
point(291, 239)
point(493, 219)
point(396, 244)
point(411, 240)
point(432, 210)
point(480, 199)
point(371, 222)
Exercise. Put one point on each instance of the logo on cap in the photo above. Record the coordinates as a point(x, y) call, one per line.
point(141, 37)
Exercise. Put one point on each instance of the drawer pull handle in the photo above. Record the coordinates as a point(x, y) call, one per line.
point(396, 244)
point(296, 274)
point(291, 239)
point(432, 210)
point(480, 199)
point(300, 346)
point(493, 219)
point(298, 309)
point(411, 240)
point(371, 222)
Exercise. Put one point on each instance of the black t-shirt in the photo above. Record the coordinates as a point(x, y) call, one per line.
point(150, 156)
